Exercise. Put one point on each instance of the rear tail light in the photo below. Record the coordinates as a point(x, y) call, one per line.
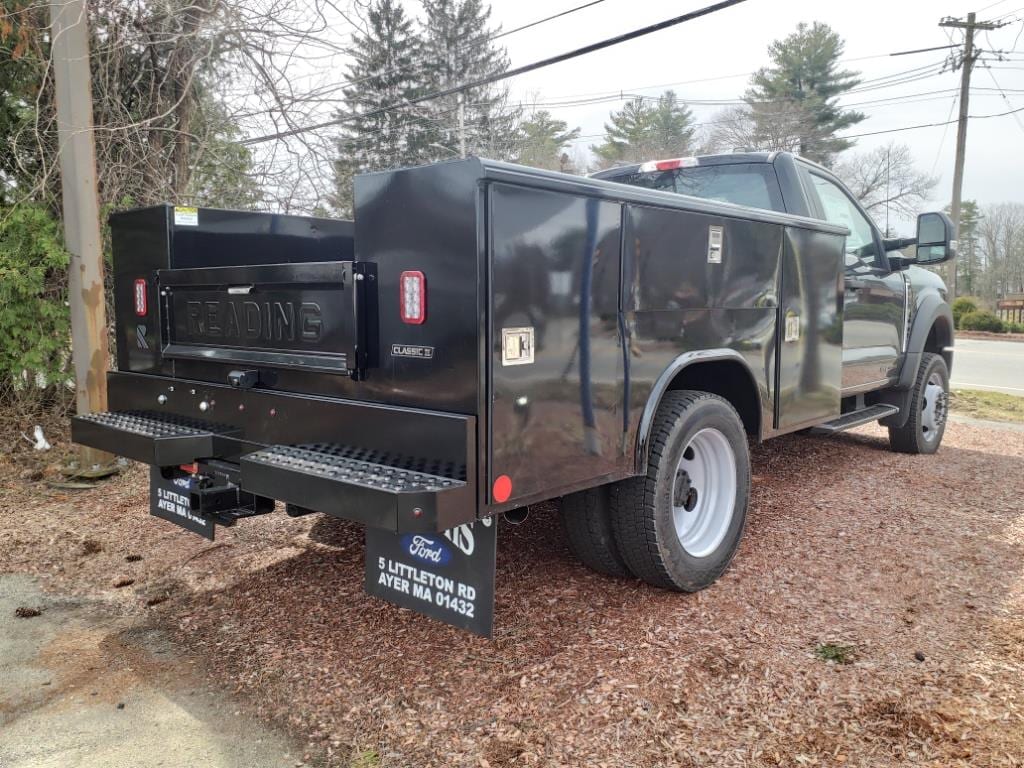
point(141, 301)
point(412, 297)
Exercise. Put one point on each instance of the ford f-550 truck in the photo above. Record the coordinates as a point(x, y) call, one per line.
point(485, 336)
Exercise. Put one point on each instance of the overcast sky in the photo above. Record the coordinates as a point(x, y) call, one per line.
point(721, 50)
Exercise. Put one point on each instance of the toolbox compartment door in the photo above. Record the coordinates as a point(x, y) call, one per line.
point(265, 316)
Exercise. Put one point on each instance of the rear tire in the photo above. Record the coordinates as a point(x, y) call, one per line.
point(678, 526)
point(929, 408)
point(588, 531)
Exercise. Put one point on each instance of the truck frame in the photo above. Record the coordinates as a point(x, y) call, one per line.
point(484, 337)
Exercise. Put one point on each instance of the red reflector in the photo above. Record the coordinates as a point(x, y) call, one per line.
point(192, 468)
point(502, 490)
point(141, 300)
point(412, 297)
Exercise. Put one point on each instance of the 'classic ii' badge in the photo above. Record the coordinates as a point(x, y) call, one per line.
point(412, 350)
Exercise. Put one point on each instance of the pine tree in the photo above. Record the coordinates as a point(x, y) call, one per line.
point(672, 129)
point(457, 48)
point(967, 265)
point(641, 131)
point(804, 81)
point(386, 71)
point(542, 142)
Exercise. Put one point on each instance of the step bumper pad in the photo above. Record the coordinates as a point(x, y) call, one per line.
point(161, 439)
point(381, 489)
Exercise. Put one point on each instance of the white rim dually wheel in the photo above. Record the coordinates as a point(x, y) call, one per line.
point(704, 494)
point(933, 408)
point(929, 409)
point(678, 525)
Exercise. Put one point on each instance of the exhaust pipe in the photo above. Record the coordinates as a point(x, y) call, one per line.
point(516, 516)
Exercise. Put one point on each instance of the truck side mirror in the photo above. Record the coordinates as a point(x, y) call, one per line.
point(936, 238)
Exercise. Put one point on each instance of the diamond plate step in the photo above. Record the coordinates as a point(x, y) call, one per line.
point(374, 487)
point(153, 438)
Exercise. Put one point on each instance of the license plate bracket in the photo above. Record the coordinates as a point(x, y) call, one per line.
point(170, 500)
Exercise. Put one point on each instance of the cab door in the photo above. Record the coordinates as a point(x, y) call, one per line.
point(874, 297)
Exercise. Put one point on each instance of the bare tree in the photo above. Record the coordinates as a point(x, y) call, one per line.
point(1001, 238)
point(177, 85)
point(776, 127)
point(887, 178)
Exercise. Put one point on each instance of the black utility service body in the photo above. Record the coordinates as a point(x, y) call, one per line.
point(483, 337)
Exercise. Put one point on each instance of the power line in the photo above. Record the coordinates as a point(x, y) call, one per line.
point(869, 84)
point(991, 5)
point(945, 131)
point(1005, 97)
point(493, 78)
point(334, 87)
point(549, 18)
point(930, 125)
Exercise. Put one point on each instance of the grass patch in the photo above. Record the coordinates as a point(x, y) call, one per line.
point(840, 654)
point(994, 406)
point(366, 758)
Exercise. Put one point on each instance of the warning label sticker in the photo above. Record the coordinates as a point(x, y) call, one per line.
point(186, 217)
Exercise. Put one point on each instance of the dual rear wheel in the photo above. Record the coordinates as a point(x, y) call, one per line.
point(679, 525)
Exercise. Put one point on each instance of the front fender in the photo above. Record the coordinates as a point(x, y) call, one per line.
point(931, 309)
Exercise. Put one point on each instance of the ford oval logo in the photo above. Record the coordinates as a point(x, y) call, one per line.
point(426, 549)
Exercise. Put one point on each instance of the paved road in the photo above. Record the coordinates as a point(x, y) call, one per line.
point(990, 365)
point(82, 689)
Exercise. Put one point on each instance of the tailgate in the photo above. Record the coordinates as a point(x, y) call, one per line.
point(270, 315)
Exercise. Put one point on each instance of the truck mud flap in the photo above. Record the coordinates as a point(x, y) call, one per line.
point(377, 488)
point(160, 439)
point(447, 576)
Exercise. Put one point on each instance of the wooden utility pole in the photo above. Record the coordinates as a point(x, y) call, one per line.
point(90, 354)
point(966, 64)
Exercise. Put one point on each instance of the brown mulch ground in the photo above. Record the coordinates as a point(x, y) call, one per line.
point(900, 558)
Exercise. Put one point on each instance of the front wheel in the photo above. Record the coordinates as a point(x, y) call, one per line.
point(678, 526)
point(929, 407)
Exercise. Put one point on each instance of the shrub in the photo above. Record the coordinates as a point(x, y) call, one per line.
point(980, 320)
point(35, 343)
point(961, 307)
point(1014, 327)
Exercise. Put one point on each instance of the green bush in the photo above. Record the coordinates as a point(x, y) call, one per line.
point(961, 307)
point(1014, 327)
point(980, 320)
point(35, 343)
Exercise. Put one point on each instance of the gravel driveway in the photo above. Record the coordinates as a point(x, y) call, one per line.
point(911, 569)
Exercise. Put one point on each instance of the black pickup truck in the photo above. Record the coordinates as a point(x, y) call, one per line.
point(485, 336)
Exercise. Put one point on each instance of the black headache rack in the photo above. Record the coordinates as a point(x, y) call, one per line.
point(371, 483)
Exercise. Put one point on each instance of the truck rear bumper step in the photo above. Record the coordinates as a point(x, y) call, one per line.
point(856, 419)
point(372, 487)
point(160, 439)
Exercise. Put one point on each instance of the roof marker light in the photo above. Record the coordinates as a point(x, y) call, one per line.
point(668, 165)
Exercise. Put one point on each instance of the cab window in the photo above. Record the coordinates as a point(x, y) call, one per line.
point(861, 249)
point(750, 184)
